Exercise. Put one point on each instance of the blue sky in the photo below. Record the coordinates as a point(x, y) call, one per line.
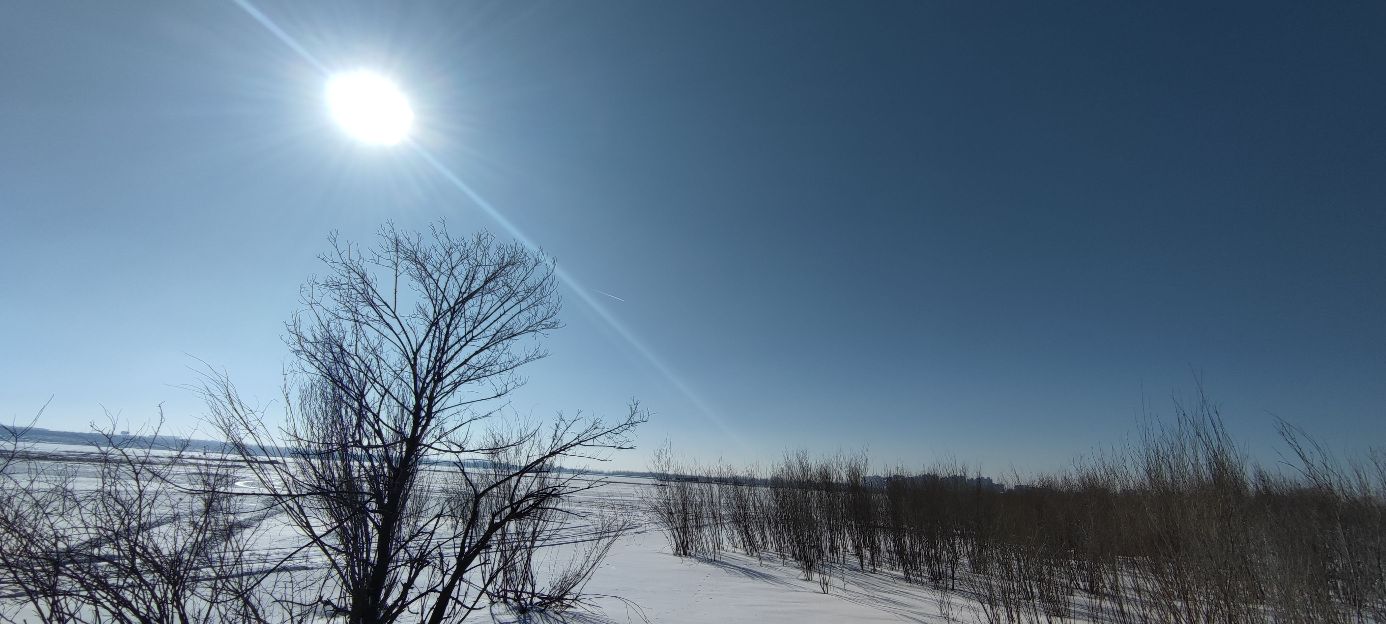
point(971, 229)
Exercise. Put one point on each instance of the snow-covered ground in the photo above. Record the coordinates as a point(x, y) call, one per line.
point(658, 587)
point(640, 581)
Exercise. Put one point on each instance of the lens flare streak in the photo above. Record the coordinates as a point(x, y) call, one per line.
point(279, 33)
point(510, 228)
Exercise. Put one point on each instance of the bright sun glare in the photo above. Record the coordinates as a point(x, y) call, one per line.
point(369, 107)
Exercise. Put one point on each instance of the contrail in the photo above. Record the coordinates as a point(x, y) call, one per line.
point(563, 276)
point(609, 295)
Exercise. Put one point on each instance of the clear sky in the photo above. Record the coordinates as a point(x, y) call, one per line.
point(923, 228)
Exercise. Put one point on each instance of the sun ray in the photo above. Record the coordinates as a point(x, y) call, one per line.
point(514, 231)
point(279, 33)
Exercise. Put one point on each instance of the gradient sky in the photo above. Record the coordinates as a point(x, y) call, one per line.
point(972, 229)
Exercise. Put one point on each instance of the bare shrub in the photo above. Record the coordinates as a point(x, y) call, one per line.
point(129, 532)
point(680, 506)
point(745, 503)
point(1179, 527)
point(800, 527)
point(862, 513)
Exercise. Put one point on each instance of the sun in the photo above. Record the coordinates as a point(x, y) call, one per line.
point(369, 107)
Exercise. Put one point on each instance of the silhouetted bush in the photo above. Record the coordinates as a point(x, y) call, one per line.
point(1181, 527)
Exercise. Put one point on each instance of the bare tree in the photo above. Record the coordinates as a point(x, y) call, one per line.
point(403, 352)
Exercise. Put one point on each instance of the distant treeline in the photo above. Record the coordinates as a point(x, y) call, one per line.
point(103, 439)
point(10, 433)
point(723, 476)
